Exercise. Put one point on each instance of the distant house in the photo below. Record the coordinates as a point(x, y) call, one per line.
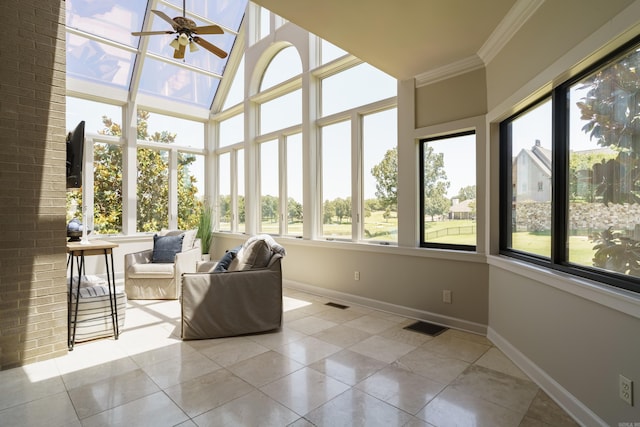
point(463, 210)
point(532, 174)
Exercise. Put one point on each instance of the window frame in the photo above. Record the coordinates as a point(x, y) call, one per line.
point(422, 242)
point(559, 259)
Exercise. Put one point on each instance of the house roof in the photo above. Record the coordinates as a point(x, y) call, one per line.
point(541, 157)
point(464, 206)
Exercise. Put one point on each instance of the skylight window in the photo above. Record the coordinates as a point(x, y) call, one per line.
point(102, 51)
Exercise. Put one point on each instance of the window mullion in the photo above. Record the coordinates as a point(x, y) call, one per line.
point(506, 188)
point(282, 184)
point(356, 174)
point(560, 166)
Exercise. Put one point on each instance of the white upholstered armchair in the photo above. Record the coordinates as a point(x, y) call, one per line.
point(152, 274)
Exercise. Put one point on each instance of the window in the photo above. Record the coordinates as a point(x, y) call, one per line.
point(152, 190)
point(107, 188)
point(265, 22)
point(329, 52)
point(190, 189)
point(160, 203)
point(269, 188)
point(336, 181)
point(100, 119)
point(294, 185)
point(92, 113)
point(240, 204)
point(232, 130)
point(530, 149)
point(448, 192)
point(593, 212)
point(284, 66)
point(236, 91)
point(224, 192)
point(380, 176)
point(172, 130)
point(281, 113)
point(356, 86)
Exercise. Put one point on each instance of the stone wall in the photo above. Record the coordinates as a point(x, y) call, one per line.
point(583, 217)
point(33, 292)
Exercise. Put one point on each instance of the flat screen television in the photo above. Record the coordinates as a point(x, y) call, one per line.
point(75, 150)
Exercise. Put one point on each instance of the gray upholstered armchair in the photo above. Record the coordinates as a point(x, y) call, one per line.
point(145, 279)
point(242, 299)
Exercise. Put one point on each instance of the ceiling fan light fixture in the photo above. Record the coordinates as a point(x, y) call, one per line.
point(193, 47)
point(175, 44)
point(183, 39)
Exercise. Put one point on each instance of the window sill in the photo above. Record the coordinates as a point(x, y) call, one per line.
point(617, 299)
point(392, 249)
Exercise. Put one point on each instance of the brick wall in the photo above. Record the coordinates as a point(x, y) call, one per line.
point(33, 308)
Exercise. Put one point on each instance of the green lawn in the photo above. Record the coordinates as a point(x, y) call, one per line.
point(455, 231)
point(580, 247)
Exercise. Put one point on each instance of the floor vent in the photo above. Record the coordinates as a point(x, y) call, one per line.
point(426, 328)
point(336, 305)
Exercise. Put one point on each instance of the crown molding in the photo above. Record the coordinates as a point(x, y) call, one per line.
point(520, 13)
point(448, 71)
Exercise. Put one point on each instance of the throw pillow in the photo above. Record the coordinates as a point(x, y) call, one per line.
point(227, 258)
point(255, 253)
point(189, 237)
point(165, 248)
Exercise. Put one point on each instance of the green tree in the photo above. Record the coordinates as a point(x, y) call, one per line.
point(269, 208)
point(435, 184)
point(107, 188)
point(342, 208)
point(189, 205)
point(294, 210)
point(328, 211)
point(224, 207)
point(611, 109)
point(386, 175)
point(466, 193)
point(152, 182)
point(581, 167)
point(241, 210)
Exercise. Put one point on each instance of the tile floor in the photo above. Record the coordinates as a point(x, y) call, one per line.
point(326, 367)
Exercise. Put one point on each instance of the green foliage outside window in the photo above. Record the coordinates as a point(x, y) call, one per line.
point(611, 109)
point(152, 182)
point(435, 183)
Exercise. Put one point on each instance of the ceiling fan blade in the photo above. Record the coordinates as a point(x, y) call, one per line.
point(208, 29)
point(179, 53)
point(211, 48)
point(166, 18)
point(150, 33)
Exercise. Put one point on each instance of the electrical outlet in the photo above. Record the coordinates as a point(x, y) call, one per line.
point(446, 296)
point(356, 275)
point(626, 389)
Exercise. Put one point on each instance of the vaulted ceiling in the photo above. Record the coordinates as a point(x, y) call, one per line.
point(410, 37)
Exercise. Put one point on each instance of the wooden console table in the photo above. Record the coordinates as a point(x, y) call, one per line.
point(77, 251)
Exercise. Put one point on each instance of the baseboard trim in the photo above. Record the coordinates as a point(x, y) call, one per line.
point(439, 319)
point(559, 394)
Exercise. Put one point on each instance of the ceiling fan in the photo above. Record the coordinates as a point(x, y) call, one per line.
point(186, 32)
